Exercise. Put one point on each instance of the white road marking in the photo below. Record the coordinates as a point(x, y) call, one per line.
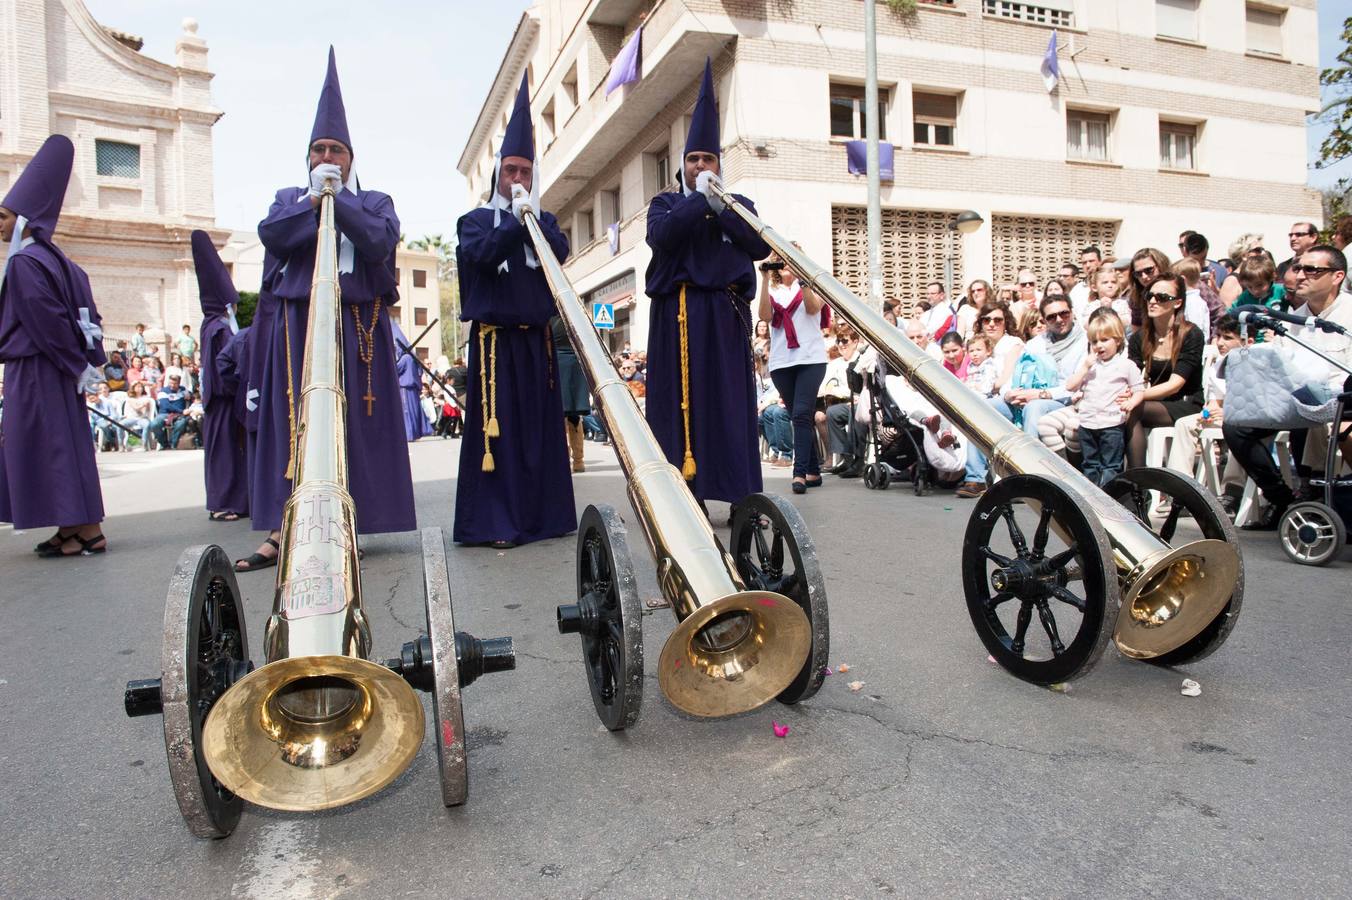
point(279, 865)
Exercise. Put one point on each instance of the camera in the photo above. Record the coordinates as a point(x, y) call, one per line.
point(771, 266)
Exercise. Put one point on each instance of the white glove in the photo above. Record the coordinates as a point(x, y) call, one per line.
point(702, 183)
point(90, 377)
point(520, 202)
point(322, 173)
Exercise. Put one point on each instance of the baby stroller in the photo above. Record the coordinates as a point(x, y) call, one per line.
point(894, 442)
point(1311, 532)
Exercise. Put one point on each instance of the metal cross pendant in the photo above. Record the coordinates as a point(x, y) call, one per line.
point(369, 398)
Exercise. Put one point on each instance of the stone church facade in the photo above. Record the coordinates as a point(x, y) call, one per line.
point(142, 179)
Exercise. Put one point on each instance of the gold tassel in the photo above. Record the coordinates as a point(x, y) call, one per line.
point(290, 473)
point(492, 429)
point(488, 464)
point(688, 469)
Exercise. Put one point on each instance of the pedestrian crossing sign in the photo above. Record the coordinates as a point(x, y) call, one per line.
point(603, 315)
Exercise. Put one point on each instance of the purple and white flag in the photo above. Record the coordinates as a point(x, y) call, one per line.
point(625, 69)
point(613, 237)
point(1051, 67)
point(856, 156)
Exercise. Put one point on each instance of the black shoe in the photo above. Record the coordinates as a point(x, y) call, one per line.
point(799, 487)
point(1268, 520)
point(854, 471)
point(846, 462)
point(1230, 504)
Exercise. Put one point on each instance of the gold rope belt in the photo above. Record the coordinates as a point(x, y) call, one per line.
point(290, 398)
point(488, 384)
point(688, 468)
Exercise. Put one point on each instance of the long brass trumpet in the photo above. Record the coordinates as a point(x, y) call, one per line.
point(319, 725)
point(1168, 594)
point(734, 648)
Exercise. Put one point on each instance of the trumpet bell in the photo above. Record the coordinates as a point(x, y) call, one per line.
point(735, 654)
point(1173, 595)
point(313, 732)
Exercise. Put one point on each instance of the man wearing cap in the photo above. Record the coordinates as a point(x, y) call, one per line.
point(222, 434)
point(701, 401)
point(52, 350)
point(368, 233)
point(514, 482)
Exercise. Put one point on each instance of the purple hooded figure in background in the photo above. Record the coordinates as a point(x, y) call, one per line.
point(410, 387)
point(52, 349)
point(702, 403)
point(368, 233)
point(514, 484)
point(222, 433)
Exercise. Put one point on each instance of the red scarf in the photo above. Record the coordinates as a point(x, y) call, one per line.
point(782, 317)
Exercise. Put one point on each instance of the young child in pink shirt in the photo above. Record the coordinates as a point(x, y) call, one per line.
point(1109, 386)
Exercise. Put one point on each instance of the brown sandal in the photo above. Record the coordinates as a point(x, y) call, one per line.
point(87, 547)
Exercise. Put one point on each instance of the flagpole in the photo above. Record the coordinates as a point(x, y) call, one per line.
point(875, 210)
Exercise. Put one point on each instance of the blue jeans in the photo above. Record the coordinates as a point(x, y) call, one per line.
point(1032, 411)
point(798, 387)
point(1102, 451)
point(775, 425)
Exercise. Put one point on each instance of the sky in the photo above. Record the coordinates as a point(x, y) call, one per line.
point(413, 84)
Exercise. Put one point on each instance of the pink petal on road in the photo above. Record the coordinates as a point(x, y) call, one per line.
point(856, 685)
point(843, 668)
point(780, 730)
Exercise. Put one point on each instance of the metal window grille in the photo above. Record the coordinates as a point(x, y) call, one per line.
point(1029, 12)
point(117, 159)
point(1043, 243)
point(914, 245)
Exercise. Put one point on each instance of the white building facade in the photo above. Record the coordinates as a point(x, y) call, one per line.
point(1169, 115)
point(142, 179)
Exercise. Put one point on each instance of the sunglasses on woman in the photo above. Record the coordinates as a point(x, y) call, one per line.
point(1148, 272)
point(999, 319)
point(1157, 297)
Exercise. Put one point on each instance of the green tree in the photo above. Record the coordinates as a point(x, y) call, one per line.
point(244, 312)
point(1336, 110)
point(450, 289)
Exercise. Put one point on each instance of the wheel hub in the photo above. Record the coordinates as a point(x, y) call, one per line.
point(1024, 578)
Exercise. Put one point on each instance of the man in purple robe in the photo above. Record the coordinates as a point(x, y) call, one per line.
point(410, 387)
point(232, 374)
point(368, 233)
point(514, 485)
point(223, 442)
point(701, 401)
point(52, 350)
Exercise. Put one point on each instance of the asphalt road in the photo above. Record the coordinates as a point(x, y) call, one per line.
point(942, 776)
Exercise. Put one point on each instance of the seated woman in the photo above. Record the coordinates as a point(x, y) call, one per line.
point(138, 411)
point(1169, 350)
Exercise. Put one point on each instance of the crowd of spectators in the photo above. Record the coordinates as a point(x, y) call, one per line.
point(152, 393)
point(1091, 361)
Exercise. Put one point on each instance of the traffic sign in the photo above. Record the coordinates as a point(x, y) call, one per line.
point(603, 315)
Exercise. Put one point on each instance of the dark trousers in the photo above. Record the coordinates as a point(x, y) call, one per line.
point(848, 437)
point(797, 386)
point(1251, 450)
point(1101, 452)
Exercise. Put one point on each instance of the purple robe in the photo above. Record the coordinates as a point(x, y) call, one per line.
point(47, 471)
point(223, 436)
point(529, 494)
point(410, 390)
point(689, 249)
point(377, 455)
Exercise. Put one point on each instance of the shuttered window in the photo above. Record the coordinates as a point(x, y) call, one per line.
point(1263, 31)
point(1176, 19)
point(936, 119)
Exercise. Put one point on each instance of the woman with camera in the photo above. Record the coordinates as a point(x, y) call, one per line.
point(797, 360)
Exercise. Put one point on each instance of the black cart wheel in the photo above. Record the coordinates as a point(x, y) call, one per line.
point(206, 650)
point(1030, 549)
point(608, 616)
point(1181, 498)
point(774, 552)
point(447, 711)
point(876, 477)
point(1312, 534)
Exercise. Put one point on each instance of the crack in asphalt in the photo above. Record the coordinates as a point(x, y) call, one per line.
point(548, 659)
point(389, 607)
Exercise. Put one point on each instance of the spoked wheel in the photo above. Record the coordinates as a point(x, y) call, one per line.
point(774, 552)
point(1182, 498)
point(206, 650)
point(1312, 534)
point(1030, 549)
point(446, 706)
point(608, 616)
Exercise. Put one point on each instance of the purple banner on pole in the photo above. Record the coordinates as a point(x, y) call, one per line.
point(625, 69)
point(856, 154)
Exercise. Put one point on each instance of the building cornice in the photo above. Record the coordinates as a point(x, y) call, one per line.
point(505, 82)
point(100, 105)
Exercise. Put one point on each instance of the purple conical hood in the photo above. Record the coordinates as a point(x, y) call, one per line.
point(519, 141)
point(41, 189)
point(703, 134)
point(213, 281)
point(331, 116)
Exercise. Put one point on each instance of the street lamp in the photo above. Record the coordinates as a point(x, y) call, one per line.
point(965, 222)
